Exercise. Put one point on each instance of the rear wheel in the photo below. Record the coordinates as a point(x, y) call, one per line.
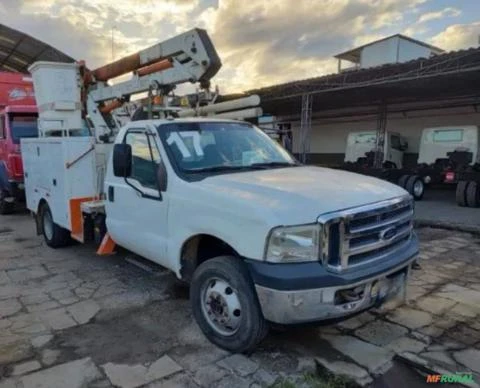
point(473, 194)
point(55, 236)
point(461, 193)
point(6, 207)
point(415, 187)
point(225, 304)
point(403, 180)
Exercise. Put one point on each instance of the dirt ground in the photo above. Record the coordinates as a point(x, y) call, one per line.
point(69, 318)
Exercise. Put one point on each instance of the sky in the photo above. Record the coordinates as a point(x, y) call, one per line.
point(260, 42)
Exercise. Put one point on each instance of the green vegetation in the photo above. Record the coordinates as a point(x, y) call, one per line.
point(312, 380)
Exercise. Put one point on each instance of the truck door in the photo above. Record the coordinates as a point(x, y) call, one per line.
point(394, 150)
point(136, 210)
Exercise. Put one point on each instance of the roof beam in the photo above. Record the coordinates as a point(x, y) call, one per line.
point(19, 42)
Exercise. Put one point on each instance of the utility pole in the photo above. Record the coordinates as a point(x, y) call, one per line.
point(113, 42)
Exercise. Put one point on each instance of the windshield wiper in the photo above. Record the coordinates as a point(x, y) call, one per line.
point(253, 166)
point(273, 164)
point(216, 168)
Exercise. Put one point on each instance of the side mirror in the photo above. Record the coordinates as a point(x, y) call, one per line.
point(162, 177)
point(122, 160)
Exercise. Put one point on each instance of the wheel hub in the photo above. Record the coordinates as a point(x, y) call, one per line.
point(221, 307)
point(418, 188)
point(217, 304)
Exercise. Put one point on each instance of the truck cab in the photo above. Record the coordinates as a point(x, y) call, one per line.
point(16, 122)
point(450, 155)
point(360, 144)
point(251, 229)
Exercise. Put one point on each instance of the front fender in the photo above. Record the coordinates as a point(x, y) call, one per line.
point(246, 237)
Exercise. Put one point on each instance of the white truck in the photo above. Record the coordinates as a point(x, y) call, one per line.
point(447, 155)
point(360, 144)
point(260, 238)
point(360, 155)
point(450, 155)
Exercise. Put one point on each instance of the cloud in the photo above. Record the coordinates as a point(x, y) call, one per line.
point(458, 36)
point(446, 12)
point(260, 42)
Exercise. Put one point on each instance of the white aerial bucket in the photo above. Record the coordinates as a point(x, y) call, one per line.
point(57, 92)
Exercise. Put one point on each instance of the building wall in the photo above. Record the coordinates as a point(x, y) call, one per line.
point(409, 50)
point(328, 136)
point(393, 50)
point(379, 53)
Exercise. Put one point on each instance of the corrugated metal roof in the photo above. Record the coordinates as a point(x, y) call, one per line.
point(452, 74)
point(19, 50)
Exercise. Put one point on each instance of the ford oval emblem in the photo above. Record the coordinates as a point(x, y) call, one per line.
point(388, 234)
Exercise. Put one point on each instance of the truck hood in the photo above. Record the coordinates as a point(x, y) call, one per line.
point(300, 194)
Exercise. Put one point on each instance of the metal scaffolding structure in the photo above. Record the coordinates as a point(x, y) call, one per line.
point(305, 125)
point(380, 138)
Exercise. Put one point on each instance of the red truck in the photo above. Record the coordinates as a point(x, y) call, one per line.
point(18, 118)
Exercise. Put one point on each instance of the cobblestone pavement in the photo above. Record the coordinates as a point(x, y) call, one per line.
point(71, 319)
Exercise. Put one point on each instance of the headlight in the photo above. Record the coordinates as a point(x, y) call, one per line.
point(293, 244)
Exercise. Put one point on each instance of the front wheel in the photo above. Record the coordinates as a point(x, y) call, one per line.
point(416, 187)
point(225, 304)
point(403, 180)
point(55, 236)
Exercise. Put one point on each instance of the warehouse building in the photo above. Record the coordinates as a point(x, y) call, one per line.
point(394, 84)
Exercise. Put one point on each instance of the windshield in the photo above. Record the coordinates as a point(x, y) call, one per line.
point(365, 138)
point(221, 146)
point(449, 135)
point(23, 126)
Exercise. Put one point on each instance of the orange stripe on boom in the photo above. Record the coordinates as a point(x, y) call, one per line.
point(155, 67)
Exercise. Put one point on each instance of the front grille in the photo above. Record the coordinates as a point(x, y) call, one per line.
point(361, 235)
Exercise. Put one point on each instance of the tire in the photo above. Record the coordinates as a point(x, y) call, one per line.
point(227, 281)
point(416, 187)
point(403, 180)
point(473, 194)
point(461, 193)
point(5, 207)
point(55, 236)
point(389, 165)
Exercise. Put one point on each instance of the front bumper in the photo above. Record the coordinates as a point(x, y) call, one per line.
point(302, 306)
point(308, 292)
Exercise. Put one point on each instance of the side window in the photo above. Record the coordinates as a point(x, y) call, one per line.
point(395, 142)
point(145, 158)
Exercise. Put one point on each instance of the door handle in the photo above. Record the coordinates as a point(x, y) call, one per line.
point(111, 193)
